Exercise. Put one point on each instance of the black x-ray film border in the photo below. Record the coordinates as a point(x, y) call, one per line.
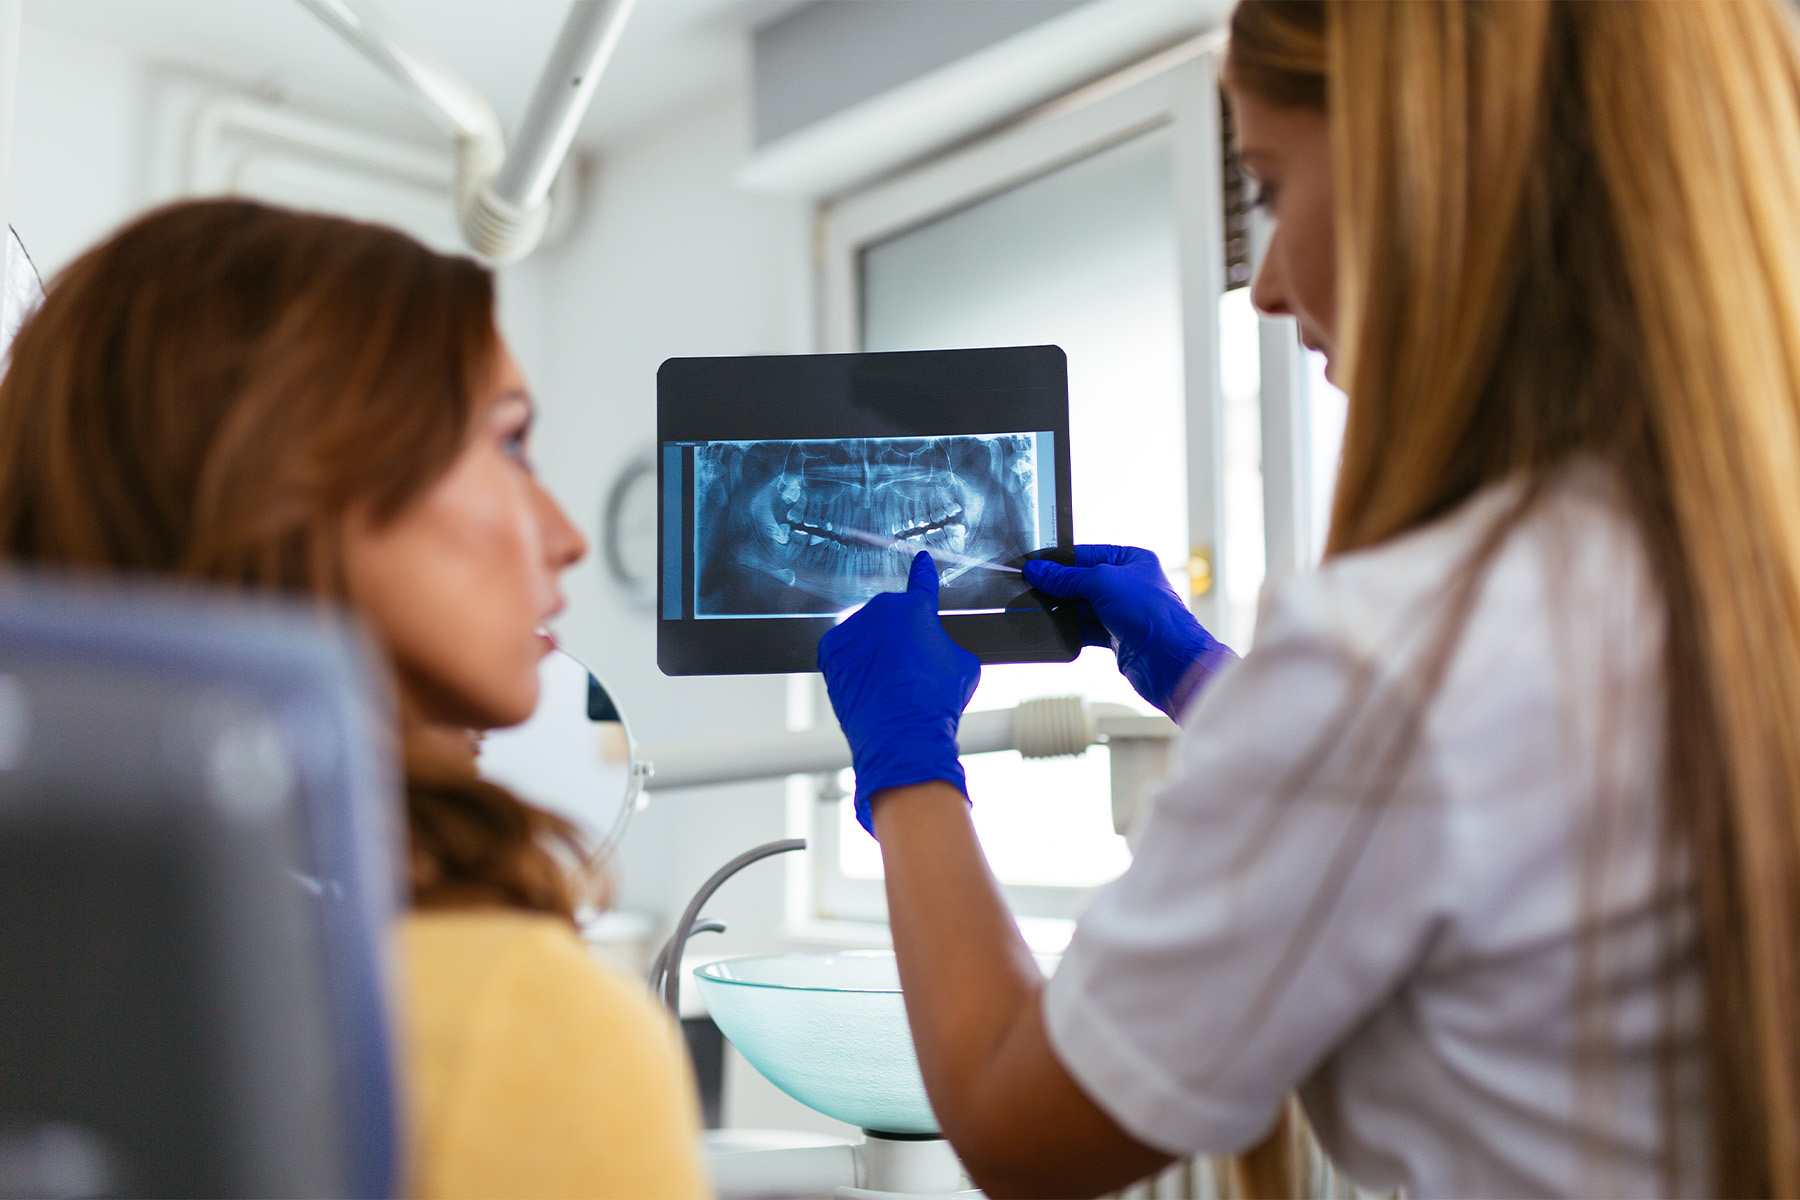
point(674, 518)
point(942, 612)
point(978, 391)
point(932, 393)
point(786, 646)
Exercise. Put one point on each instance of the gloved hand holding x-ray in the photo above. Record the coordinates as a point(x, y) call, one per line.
point(899, 685)
point(1126, 603)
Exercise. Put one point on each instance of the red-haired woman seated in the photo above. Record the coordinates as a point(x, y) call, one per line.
point(236, 394)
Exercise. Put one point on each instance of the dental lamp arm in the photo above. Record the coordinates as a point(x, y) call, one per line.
point(502, 199)
point(589, 36)
point(1021, 1125)
point(504, 216)
point(462, 110)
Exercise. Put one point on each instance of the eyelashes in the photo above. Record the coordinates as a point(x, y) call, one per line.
point(515, 443)
point(509, 423)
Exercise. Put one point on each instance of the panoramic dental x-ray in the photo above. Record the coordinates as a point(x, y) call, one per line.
point(804, 527)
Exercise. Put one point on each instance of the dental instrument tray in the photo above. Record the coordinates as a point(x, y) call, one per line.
point(793, 488)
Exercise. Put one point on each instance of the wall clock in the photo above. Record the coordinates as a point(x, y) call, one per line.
point(628, 531)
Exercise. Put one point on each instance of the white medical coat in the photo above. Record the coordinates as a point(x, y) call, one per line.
point(1392, 926)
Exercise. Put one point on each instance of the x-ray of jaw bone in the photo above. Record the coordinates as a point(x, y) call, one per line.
point(793, 527)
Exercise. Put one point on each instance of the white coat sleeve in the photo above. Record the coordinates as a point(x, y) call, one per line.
point(1288, 879)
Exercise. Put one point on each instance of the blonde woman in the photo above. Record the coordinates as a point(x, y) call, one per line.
point(1490, 848)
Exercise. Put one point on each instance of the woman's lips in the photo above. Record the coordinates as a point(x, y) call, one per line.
point(1318, 346)
point(547, 638)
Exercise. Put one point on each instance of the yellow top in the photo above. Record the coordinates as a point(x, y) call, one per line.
point(535, 1070)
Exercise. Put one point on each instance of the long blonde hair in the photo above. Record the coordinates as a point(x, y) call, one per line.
point(1574, 229)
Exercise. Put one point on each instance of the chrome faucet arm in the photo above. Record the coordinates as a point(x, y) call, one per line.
point(665, 974)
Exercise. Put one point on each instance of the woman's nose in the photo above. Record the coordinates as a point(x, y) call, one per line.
point(563, 544)
point(1267, 294)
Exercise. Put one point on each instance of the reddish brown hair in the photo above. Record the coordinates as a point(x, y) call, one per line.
point(210, 393)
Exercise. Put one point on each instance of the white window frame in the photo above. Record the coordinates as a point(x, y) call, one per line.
point(1178, 90)
point(1292, 536)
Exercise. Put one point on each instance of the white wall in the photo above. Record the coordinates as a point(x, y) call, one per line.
point(81, 138)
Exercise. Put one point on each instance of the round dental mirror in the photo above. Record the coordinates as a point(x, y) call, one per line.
point(574, 757)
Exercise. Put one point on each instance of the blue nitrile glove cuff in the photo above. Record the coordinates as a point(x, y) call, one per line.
point(1209, 656)
point(898, 685)
point(884, 766)
point(1126, 603)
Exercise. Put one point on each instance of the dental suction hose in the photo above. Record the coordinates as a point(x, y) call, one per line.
point(665, 974)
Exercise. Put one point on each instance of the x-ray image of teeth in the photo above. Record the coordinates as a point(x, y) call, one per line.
point(785, 528)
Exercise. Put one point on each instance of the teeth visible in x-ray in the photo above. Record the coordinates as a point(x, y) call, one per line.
point(846, 535)
point(836, 520)
point(839, 521)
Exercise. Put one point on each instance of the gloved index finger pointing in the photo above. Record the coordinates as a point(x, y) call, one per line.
point(924, 576)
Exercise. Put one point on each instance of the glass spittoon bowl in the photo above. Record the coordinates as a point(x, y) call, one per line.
point(829, 1030)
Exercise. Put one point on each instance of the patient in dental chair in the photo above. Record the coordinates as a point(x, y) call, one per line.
point(236, 394)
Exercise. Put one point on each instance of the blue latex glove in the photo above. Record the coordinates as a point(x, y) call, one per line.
point(899, 685)
point(1127, 604)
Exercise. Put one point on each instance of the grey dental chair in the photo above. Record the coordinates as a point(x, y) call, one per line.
point(196, 882)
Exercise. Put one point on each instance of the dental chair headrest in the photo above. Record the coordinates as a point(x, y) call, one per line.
point(197, 877)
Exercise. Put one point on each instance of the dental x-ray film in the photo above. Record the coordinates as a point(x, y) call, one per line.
point(792, 527)
point(793, 489)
